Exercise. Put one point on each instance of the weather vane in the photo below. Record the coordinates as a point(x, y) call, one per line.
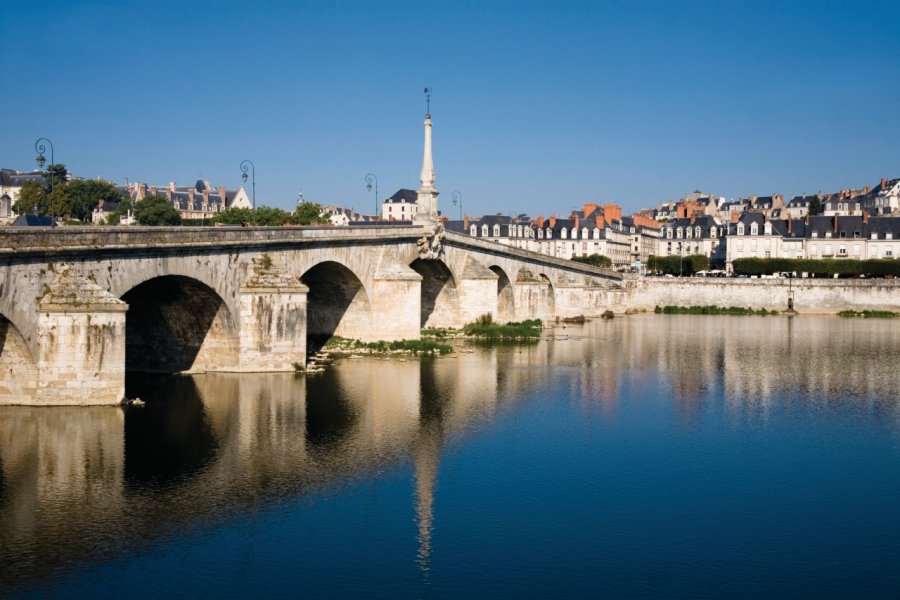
point(428, 91)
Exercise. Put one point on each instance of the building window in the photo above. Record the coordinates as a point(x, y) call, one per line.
point(754, 229)
point(496, 230)
point(740, 229)
point(473, 230)
point(484, 230)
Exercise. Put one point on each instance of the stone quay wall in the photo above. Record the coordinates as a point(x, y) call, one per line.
point(811, 296)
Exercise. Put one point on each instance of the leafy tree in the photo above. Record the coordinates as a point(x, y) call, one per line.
point(815, 207)
point(83, 197)
point(32, 199)
point(596, 260)
point(268, 216)
point(56, 174)
point(234, 216)
point(677, 265)
point(309, 213)
point(156, 210)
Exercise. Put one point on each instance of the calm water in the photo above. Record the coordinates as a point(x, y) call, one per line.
point(650, 456)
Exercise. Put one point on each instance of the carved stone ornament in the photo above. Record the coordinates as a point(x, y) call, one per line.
point(430, 245)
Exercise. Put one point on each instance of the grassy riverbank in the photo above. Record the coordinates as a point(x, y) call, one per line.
point(423, 346)
point(712, 310)
point(869, 314)
point(484, 328)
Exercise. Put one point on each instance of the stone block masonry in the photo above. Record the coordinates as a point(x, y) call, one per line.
point(811, 296)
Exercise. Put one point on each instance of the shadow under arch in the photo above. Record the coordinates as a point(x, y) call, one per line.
point(506, 310)
point(336, 304)
point(18, 369)
point(175, 324)
point(440, 301)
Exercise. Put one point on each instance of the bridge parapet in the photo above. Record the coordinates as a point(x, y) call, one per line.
point(17, 240)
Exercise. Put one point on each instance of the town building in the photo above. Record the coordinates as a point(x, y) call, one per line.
point(401, 206)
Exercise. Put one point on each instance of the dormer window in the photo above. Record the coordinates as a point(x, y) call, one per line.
point(512, 230)
point(768, 229)
point(679, 233)
point(712, 232)
point(549, 233)
point(496, 231)
point(473, 231)
point(584, 233)
point(540, 234)
point(596, 233)
point(669, 232)
point(574, 233)
point(740, 229)
point(697, 231)
point(484, 230)
point(563, 233)
point(874, 236)
point(754, 229)
point(519, 230)
point(689, 233)
point(815, 234)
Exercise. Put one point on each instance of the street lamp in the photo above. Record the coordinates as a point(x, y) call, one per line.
point(41, 160)
point(370, 180)
point(245, 165)
point(457, 197)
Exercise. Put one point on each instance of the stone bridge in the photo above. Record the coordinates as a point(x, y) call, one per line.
point(80, 306)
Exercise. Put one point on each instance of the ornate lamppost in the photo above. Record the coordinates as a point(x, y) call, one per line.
point(245, 166)
point(457, 198)
point(41, 160)
point(370, 180)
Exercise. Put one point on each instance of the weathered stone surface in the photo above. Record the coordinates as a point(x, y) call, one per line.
point(273, 320)
point(82, 343)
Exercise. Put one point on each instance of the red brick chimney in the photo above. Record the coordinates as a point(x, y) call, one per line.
point(807, 218)
point(865, 216)
point(539, 221)
point(169, 194)
point(693, 217)
point(789, 223)
point(143, 190)
point(600, 221)
point(191, 195)
point(589, 209)
point(883, 183)
point(612, 212)
point(577, 221)
point(552, 221)
point(835, 223)
point(221, 191)
point(466, 222)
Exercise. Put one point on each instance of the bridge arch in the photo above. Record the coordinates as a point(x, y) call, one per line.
point(18, 368)
point(337, 304)
point(175, 324)
point(506, 306)
point(440, 298)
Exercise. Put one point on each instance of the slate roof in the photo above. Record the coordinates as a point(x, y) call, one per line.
point(403, 195)
point(33, 221)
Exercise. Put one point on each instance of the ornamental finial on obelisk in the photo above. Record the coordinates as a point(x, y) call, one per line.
point(426, 198)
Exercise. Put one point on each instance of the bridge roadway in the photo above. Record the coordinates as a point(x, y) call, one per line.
point(80, 306)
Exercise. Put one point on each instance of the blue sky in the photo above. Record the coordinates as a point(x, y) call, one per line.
point(538, 107)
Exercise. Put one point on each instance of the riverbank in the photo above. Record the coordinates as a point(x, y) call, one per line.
point(810, 296)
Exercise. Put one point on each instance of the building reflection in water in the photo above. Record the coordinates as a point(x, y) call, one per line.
point(83, 483)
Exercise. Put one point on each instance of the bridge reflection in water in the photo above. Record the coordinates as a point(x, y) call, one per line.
point(87, 484)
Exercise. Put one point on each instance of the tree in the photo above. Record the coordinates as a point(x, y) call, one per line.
point(234, 216)
point(815, 207)
point(596, 260)
point(32, 199)
point(156, 210)
point(56, 174)
point(83, 197)
point(309, 213)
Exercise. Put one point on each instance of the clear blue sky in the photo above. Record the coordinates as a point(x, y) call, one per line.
point(537, 106)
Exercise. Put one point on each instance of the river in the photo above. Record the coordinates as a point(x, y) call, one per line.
point(648, 456)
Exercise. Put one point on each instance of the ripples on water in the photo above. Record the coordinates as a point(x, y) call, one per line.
point(650, 456)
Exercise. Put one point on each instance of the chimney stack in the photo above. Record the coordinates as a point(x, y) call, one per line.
point(835, 223)
point(865, 216)
point(466, 222)
point(601, 222)
point(552, 221)
point(883, 183)
point(789, 223)
point(577, 221)
point(153, 189)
